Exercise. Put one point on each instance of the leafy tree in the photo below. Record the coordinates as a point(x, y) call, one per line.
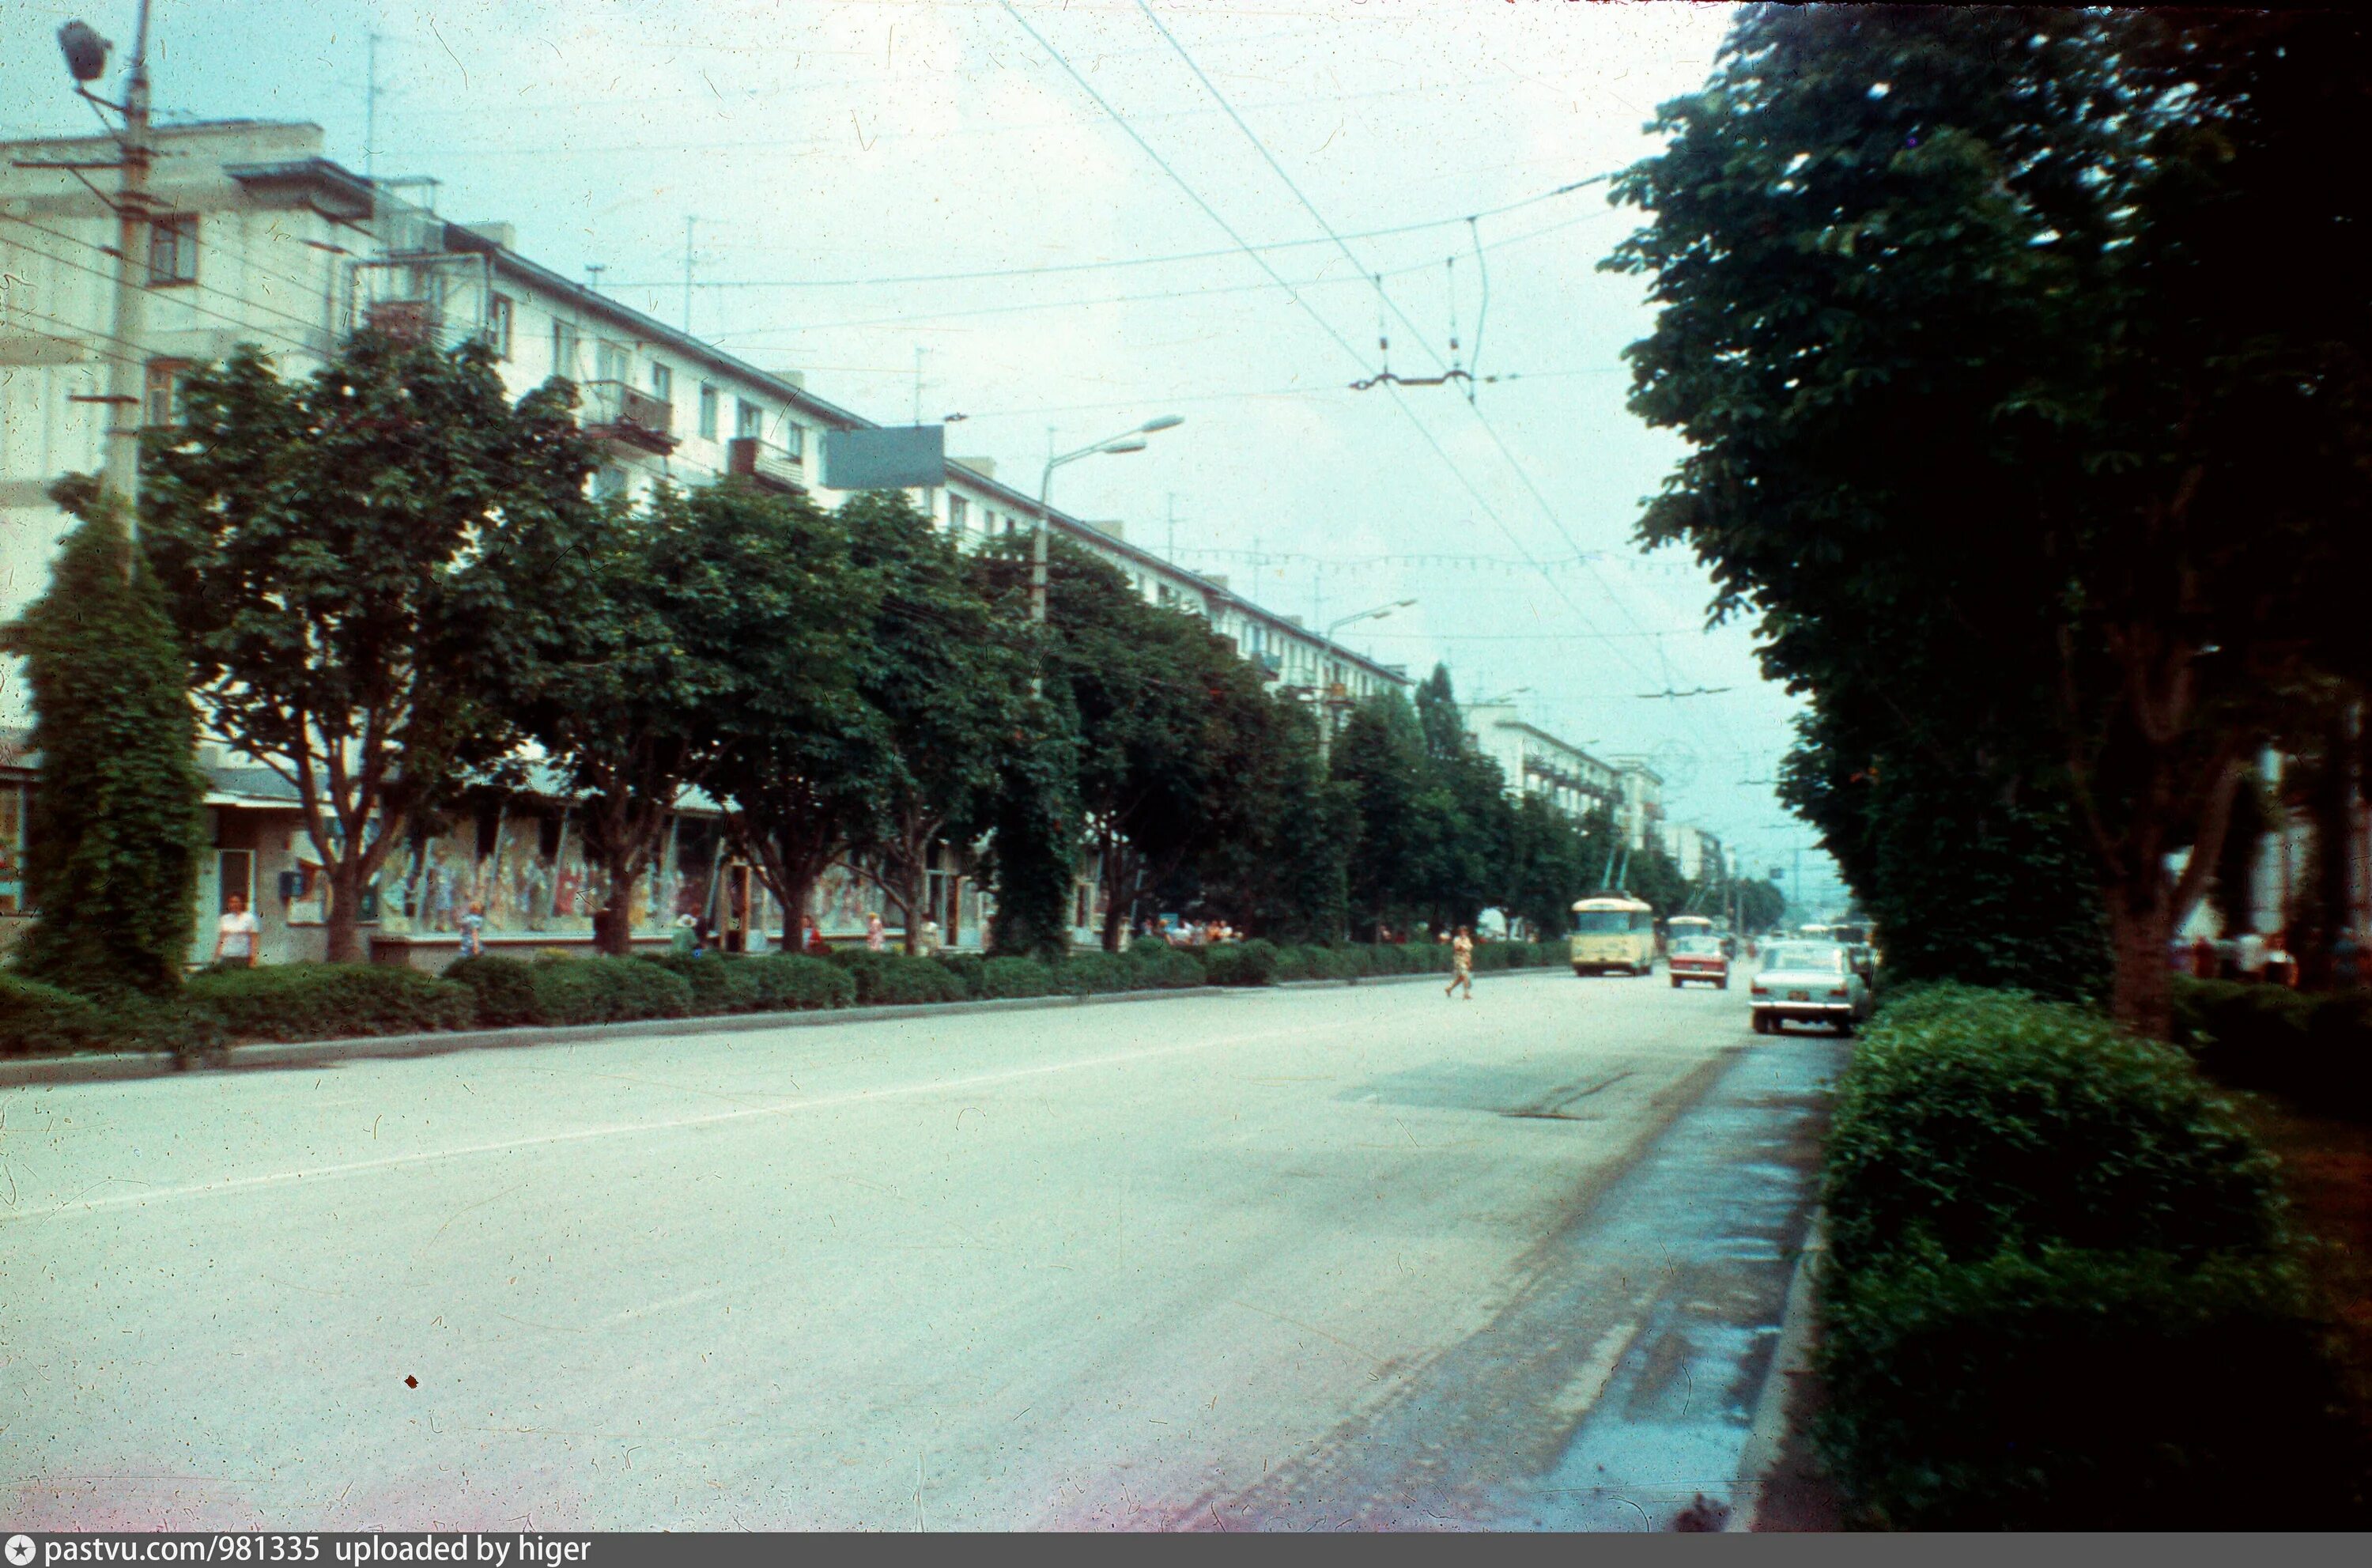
point(1550, 864)
point(948, 678)
point(361, 564)
point(1761, 906)
point(116, 825)
point(703, 618)
point(1286, 876)
point(1964, 318)
point(1380, 757)
point(1167, 718)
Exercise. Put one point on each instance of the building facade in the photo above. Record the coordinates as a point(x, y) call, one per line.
point(256, 237)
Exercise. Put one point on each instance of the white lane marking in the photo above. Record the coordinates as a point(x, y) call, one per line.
point(1585, 1388)
point(582, 1134)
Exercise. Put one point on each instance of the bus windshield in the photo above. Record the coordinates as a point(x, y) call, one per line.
point(1600, 922)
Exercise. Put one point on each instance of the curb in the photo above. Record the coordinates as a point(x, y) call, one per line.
point(124, 1067)
point(1791, 1359)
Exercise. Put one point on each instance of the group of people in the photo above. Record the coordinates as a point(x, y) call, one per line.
point(1192, 934)
point(2257, 958)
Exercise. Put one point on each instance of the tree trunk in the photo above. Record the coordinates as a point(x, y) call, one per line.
point(2140, 924)
point(342, 934)
point(2333, 807)
point(613, 924)
point(1114, 866)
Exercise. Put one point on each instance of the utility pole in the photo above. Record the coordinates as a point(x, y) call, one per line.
point(688, 224)
point(1170, 549)
point(127, 366)
point(370, 119)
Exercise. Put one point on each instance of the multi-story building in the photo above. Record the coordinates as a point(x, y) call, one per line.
point(1639, 797)
point(1537, 762)
point(1695, 851)
point(259, 238)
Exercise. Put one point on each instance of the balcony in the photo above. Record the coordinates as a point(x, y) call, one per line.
point(765, 465)
point(1270, 666)
point(628, 416)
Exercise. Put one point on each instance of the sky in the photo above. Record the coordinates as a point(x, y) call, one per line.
point(838, 160)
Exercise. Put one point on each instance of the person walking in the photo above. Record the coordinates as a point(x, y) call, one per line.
point(1461, 963)
point(234, 935)
point(473, 927)
point(875, 939)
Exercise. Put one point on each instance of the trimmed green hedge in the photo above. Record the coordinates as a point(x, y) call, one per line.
point(37, 1019)
point(893, 979)
point(1240, 963)
point(790, 982)
point(292, 1002)
point(504, 989)
point(1980, 1120)
point(2059, 1293)
point(2315, 1046)
point(1016, 977)
point(608, 990)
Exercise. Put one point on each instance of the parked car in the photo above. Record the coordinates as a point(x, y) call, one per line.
point(1811, 982)
point(1698, 958)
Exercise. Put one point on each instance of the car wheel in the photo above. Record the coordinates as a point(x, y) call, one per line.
point(1846, 1029)
point(1676, 982)
point(1723, 983)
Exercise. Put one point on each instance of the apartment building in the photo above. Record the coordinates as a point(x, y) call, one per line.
point(258, 238)
point(1537, 762)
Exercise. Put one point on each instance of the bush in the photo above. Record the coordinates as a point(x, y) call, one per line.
point(1241, 963)
point(37, 1019)
point(889, 979)
point(796, 982)
point(720, 983)
point(504, 989)
point(1976, 1120)
point(2081, 1389)
point(2058, 1290)
point(289, 1001)
point(1094, 974)
point(966, 968)
point(606, 991)
point(2269, 1037)
point(1164, 967)
point(1016, 977)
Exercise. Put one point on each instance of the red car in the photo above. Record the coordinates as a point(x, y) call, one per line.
point(1698, 958)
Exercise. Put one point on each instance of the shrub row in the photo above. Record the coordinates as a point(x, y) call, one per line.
point(2309, 1046)
point(295, 1002)
point(2059, 1291)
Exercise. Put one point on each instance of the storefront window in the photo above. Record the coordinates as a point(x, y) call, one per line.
point(12, 849)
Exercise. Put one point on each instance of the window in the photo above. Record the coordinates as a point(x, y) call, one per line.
point(173, 250)
point(795, 440)
point(663, 384)
point(500, 313)
point(163, 404)
point(608, 482)
point(749, 419)
point(563, 349)
point(613, 361)
point(956, 510)
point(707, 411)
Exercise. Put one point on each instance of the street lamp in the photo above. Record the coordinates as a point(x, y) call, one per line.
point(1376, 614)
point(1490, 701)
point(1126, 441)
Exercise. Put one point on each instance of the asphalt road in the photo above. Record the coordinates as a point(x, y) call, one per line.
point(1344, 1256)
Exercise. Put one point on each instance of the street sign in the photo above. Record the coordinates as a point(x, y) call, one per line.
point(899, 457)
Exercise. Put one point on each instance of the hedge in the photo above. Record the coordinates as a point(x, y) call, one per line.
point(796, 982)
point(2059, 1291)
point(887, 979)
point(36, 1018)
point(606, 991)
point(1981, 1119)
point(1016, 977)
point(720, 983)
point(1241, 963)
point(968, 970)
point(2308, 1045)
point(504, 989)
point(290, 1002)
point(2084, 1389)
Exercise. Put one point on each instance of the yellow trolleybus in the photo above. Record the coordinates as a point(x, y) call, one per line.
point(1613, 931)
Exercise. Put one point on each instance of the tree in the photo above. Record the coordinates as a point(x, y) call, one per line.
point(1166, 718)
point(1286, 876)
point(116, 825)
point(360, 566)
point(1964, 317)
point(948, 678)
point(1380, 758)
point(1549, 864)
point(706, 621)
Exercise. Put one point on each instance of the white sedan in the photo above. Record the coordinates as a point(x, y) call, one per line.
point(1812, 982)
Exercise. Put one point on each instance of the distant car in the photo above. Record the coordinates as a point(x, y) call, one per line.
point(1698, 958)
point(1811, 982)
